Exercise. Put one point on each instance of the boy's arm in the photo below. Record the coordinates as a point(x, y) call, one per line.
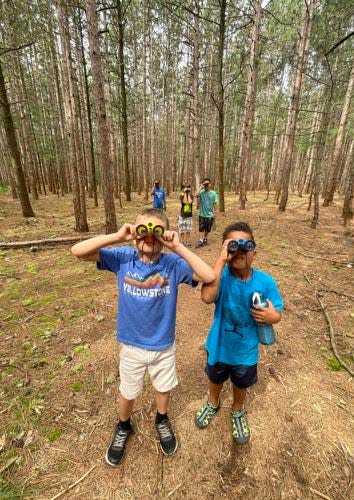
point(89, 249)
point(201, 270)
point(210, 290)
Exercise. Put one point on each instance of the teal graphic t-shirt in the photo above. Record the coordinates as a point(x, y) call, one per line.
point(207, 199)
point(233, 338)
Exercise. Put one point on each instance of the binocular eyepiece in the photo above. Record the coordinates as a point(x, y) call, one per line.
point(149, 229)
point(247, 246)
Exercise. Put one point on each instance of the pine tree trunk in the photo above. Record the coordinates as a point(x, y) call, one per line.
point(101, 118)
point(123, 94)
point(318, 155)
point(287, 158)
point(21, 187)
point(347, 212)
point(328, 198)
point(246, 134)
point(220, 104)
point(77, 181)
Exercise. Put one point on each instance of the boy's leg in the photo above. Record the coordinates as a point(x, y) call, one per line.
point(162, 400)
point(162, 370)
point(132, 368)
point(242, 377)
point(217, 375)
point(125, 408)
point(239, 398)
point(214, 393)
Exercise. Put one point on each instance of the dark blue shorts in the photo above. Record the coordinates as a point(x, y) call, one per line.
point(241, 376)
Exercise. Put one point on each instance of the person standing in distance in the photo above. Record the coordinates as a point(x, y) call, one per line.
point(207, 204)
point(159, 194)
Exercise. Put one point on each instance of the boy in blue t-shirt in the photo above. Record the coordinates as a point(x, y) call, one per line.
point(148, 285)
point(159, 195)
point(232, 342)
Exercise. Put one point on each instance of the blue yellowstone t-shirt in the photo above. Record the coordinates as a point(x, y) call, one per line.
point(159, 197)
point(147, 296)
point(232, 338)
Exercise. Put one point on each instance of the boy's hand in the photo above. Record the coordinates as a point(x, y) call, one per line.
point(266, 314)
point(126, 233)
point(224, 255)
point(170, 240)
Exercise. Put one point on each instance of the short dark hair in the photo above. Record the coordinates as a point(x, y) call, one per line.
point(206, 180)
point(237, 226)
point(155, 212)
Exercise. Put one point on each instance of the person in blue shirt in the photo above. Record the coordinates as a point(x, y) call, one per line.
point(148, 283)
point(232, 342)
point(159, 194)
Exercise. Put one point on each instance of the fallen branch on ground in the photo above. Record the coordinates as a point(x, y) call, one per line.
point(330, 328)
point(74, 484)
point(329, 290)
point(53, 241)
point(341, 262)
point(331, 336)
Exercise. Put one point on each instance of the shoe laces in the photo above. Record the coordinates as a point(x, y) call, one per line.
point(164, 430)
point(119, 439)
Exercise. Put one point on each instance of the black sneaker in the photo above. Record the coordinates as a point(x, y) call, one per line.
point(168, 441)
point(116, 449)
point(199, 244)
point(205, 241)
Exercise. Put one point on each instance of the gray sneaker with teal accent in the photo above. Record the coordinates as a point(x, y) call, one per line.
point(205, 415)
point(240, 429)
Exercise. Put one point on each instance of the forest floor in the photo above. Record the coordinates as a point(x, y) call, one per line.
point(59, 377)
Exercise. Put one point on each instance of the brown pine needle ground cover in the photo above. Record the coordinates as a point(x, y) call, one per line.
point(59, 369)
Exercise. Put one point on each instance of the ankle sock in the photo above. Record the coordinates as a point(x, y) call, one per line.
point(160, 417)
point(125, 424)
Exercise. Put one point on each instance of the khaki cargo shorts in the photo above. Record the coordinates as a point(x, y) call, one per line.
point(161, 366)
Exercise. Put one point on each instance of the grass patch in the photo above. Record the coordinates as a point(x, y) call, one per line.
point(32, 268)
point(11, 294)
point(27, 302)
point(79, 312)
point(48, 299)
point(9, 316)
point(334, 365)
point(80, 348)
point(53, 434)
point(77, 386)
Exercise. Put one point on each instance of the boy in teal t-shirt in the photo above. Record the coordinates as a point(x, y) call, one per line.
point(232, 342)
point(207, 201)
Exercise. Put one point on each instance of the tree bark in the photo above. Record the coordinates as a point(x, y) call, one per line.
point(328, 198)
point(101, 118)
point(220, 103)
point(303, 45)
point(123, 94)
point(21, 187)
point(246, 135)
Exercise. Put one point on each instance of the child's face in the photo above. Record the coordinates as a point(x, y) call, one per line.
point(241, 259)
point(149, 245)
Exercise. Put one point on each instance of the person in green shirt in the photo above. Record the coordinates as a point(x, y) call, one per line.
point(207, 203)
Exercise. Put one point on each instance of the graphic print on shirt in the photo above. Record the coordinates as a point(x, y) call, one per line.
point(237, 319)
point(155, 285)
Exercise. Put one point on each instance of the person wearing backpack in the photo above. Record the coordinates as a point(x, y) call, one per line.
point(185, 220)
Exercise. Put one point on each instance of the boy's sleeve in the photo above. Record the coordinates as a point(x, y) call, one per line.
point(216, 200)
point(184, 273)
point(274, 295)
point(110, 259)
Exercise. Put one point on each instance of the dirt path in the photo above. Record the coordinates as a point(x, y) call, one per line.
point(59, 373)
